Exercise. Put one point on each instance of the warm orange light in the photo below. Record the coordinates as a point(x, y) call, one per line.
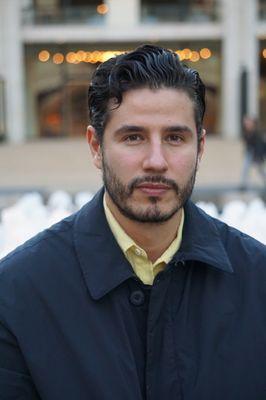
point(194, 57)
point(53, 119)
point(101, 56)
point(118, 52)
point(96, 55)
point(58, 58)
point(102, 9)
point(186, 54)
point(180, 54)
point(205, 53)
point(81, 55)
point(71, 57)
point(44, 55)
point(92, 57)
point(264, 53)
point(107, 55)
point(88, 57)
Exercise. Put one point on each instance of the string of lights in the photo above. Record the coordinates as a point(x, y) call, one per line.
point(97, 56)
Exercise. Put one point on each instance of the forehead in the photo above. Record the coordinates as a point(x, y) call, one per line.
point(153, 106)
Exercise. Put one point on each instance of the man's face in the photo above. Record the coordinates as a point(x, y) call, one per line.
point(150, 153)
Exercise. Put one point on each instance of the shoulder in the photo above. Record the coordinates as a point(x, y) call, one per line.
point(230, 234)
point(240, 247)
point(216, 237)
point(52, 249)
point(37, 251)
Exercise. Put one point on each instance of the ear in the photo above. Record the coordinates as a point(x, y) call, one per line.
point(201, 146)
point(95, 146)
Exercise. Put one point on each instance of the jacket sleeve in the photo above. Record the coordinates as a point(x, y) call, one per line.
point(15, 380)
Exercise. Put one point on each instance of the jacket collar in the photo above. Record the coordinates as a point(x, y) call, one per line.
point(202, 240)
point(103, 263)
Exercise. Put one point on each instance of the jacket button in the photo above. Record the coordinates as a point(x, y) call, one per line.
point(180, 263)
point(137, 298)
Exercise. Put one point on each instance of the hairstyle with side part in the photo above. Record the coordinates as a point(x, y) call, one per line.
point(146, 66)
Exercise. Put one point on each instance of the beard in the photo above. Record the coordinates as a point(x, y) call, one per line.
point(121, 195)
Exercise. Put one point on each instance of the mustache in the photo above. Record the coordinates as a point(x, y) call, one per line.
point(152, 179)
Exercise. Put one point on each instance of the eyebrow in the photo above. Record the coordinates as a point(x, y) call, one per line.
point(169, 129)
point(178, 129)
point(128, 129)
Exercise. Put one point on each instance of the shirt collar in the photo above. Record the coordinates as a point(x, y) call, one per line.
point(103, 263)
point(122, 238)
point(126, 242)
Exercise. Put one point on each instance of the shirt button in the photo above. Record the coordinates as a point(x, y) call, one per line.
point(137, 298)
point(137, 251)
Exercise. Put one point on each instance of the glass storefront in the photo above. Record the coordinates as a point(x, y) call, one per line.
point(58, 78)
point(262, 9)
point(64, 11)
point(57, 91)
point(210, 72)
point(154, 11)
point(63, 110)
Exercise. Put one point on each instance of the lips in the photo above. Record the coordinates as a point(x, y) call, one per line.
point(153, 189)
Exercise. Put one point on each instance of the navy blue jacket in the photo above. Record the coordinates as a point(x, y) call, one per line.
point(76, 323)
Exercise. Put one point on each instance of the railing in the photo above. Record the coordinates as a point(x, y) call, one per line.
point(185, 12)
point(62, 15)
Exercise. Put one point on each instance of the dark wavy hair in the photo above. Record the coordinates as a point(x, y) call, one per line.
point(147, 66)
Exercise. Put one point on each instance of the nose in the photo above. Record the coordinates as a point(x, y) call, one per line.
point(155, 160)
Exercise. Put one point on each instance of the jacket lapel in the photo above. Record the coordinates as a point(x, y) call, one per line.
point(202, 240)
point(102, 261)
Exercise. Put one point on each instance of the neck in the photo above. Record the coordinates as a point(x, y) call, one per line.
point(154, 238)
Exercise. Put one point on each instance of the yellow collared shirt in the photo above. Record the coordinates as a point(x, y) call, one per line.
point(137, 257)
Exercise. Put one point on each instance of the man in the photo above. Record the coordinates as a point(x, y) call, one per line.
point(254, 150)
point(139, 295)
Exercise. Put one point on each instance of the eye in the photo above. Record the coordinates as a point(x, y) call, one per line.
point(133, 138)
point(174, 138)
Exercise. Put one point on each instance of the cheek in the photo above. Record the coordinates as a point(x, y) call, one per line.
point(123, 161)
point(123, 166)
point(184, 163)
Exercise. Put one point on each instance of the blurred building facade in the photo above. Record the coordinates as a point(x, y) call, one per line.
point(49, 49)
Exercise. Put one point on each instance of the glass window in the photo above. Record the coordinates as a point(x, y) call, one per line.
point(64, 11)
point(154, 11)
point(57, 96)
point(63, 110)
point(262, 9)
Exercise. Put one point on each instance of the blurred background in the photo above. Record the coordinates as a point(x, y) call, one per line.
point(50, 48)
